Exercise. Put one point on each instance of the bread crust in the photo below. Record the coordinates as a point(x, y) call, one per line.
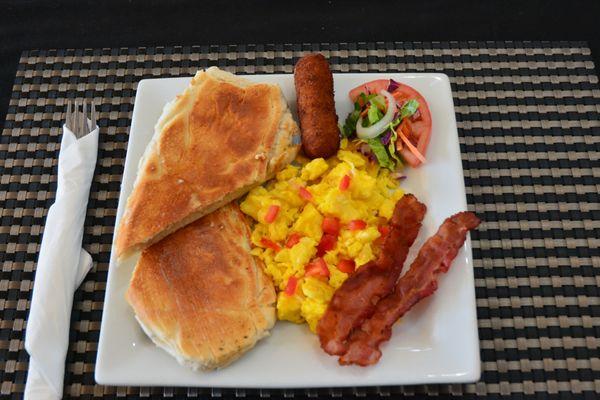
point(218, 139)
point(199, 293)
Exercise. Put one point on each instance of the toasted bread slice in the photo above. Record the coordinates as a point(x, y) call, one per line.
point(213, 143)
point(199, 293)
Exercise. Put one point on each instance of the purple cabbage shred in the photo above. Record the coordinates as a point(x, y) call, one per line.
point(385, 139)
point(393, 86)
point(398, 175)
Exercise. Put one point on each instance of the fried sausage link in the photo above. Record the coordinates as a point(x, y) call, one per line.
point(316, 107)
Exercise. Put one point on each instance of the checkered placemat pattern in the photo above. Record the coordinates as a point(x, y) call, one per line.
point(529, 122)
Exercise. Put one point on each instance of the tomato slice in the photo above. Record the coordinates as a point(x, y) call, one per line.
point(370, 87)
point(327, 243)
point(346, 266)
point(317, 268)
point(268, 243)
point(357, 225)
point(293, 240)
point(290, 288)
point(271, 213)
point(305, 194)
point(344, 183)
point(331, 225)
point(420, 127)
point(404, 133)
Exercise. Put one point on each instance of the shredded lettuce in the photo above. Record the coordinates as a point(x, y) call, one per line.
point(374, 115)
point(363, 97)
point(397, 159)
point(392, 145)
point(381, 153)
point(366, 97)
point(349, 128)
point(378, 101)
point(409, 108)
point(394, 134)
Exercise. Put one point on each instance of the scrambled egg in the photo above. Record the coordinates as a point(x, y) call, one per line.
point(290, 212)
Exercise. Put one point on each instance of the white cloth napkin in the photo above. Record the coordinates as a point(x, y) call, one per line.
point(62, 265)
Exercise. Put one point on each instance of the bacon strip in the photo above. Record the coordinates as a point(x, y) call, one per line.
point(355, 300)
point(435, 257)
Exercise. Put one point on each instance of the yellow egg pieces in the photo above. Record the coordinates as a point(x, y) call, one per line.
point(316, 222)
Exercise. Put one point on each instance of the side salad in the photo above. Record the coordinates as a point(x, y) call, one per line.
point(392, 121)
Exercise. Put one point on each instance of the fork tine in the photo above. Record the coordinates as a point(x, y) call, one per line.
point(93, 114)
point(68, 117)
point(74, 120)
point(77, 120)
point(86, 127)
point(81, 120)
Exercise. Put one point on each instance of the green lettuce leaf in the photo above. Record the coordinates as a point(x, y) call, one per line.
point(366, 97)
point(378, 101)
point(392, 146)
point(409, 108)
point(381, 153)
point(349, 127)
point(374, 115)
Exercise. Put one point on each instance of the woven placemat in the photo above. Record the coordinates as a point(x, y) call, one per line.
point(529, 122)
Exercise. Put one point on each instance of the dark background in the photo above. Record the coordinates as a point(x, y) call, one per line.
point(37, 24)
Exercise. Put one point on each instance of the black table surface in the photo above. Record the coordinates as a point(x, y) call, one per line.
point(43, 24)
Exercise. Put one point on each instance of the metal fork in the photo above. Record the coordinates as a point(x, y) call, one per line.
point(77, 121)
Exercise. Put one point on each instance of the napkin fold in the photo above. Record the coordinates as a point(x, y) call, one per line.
point(62, 266)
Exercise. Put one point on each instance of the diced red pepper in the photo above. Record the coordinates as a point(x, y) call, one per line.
point(344, 183)
point(270, 244)
point(383, 229)
point(331, 225)
point(357, 225)
point(290, 288)
point(327, 243)
point(293, 239)
point(347, 266)
point(305, 194)
point(317, 268)
point(271, 213)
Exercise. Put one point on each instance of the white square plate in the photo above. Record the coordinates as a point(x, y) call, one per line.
point(436, 342)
